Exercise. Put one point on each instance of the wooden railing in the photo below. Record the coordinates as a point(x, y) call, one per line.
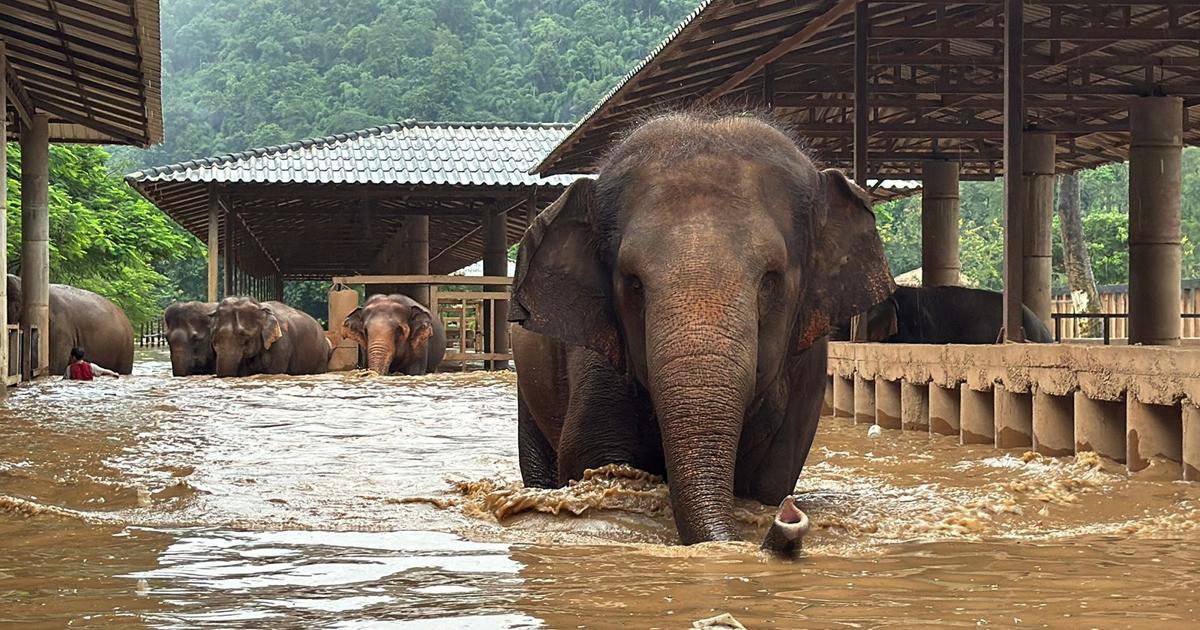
point(468, 339)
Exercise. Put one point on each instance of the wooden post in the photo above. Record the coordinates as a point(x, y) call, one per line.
point(214, 243)
point(862, 33)
point(4, 349)
point(495, 263)
point(1014, 126)
point(227, 257)
point(35, 237)
point(1038, 166)
point(940, 213)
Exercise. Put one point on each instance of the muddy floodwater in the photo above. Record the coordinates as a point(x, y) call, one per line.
point(351, 501)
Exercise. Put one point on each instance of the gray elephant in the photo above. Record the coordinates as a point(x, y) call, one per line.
point(942, 315)
point(398, 335)
point(676, 320)
point(252, 337)
point(189, 336)
point(81, 319)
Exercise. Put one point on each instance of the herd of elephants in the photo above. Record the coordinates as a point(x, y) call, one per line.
point(661, 317)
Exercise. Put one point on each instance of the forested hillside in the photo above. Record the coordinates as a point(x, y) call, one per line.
point(247, 73)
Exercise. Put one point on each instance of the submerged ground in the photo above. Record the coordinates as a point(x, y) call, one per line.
point(349, 501)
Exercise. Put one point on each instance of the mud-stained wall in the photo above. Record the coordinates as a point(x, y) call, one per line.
point(1156, 388)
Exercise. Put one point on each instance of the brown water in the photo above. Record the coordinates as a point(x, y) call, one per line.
point(348, 501)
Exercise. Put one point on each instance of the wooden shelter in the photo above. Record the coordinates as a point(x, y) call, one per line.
point(945, 90)
point(70, 71)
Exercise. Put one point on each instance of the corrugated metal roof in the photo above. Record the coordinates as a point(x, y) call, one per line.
point(407, 153)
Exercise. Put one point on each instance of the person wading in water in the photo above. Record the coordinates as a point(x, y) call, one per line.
point(80, 370)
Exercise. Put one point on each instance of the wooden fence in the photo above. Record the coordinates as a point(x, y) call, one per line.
point(1114, 300)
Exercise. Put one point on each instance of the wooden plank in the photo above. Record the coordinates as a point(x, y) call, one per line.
point(862, 33)
point(473, 295)
point(430, 279)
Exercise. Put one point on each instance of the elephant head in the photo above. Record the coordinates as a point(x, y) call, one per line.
point(189, 335)
point(14, 299)
point(243, 329)
point(707, 252)
point(391, 329)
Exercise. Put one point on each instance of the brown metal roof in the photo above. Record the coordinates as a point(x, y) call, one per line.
point(935, 75)
point(326, 206)
point(93, 65)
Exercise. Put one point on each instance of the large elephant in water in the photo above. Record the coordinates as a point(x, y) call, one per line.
point(676, 320)
point(81, 319)
point(942, 315)
point(252, 337)
point(189, 336)
point(398, 334)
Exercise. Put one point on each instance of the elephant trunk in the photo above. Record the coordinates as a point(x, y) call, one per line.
point(228, 363)
point(180, 364)
point(701, 368)
point(381, 349)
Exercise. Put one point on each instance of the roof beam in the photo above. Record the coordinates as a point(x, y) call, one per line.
point(818, 24)
point(17, 95)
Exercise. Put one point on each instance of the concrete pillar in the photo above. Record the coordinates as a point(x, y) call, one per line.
point(1038, 169)
point(1053, 425)
point(495, 263)
point(914, 406)
point(1152, 432)
point(843, 397)
point(1191, 442)
point(887, 404)
point(1013, 418)
point(342, 301)
point(4, 349)
point(864, 400)
point(977, 418)
point(35, 236)
point(227, 257)
point(416, 251)
point(1155, 179)
point(939, 223)
point(945, 404)
point(1100, 427)
point(827, 400)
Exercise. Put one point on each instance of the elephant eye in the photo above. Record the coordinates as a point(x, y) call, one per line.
point(635, 283)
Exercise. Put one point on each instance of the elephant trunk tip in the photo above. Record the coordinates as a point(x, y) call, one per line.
point(787, 530)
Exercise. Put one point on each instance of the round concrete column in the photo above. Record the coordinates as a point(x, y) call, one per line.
point(35, 237)
point(1037, 162)
point(1155, 177)
point(939, 223)
point(416, 249)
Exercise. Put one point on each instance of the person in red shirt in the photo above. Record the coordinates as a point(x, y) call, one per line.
point(80, 370)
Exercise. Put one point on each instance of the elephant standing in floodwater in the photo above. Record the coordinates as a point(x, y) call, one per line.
point(189, 336)
point(399, 335)
point(81, 319)
point(252, 337)
point(942, 315)
point(676, 321)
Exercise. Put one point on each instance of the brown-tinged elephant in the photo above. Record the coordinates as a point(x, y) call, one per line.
point(941, 315)
point(398, 335)
point(674, 314)
point(252, 337)
point(189, 336)
point(81, 319)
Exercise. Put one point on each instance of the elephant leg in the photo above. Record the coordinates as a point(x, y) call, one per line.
point(608, 421)
point(539, 464)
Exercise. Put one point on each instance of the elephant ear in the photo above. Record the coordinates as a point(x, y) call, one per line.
point(271, 331)
point(562, 289)
point(882, 323)
point(420, 326)
point(850, 273)
point(353, 326)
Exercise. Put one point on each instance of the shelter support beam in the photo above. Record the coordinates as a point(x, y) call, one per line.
point(416, 253)
point(214, 245)
point(495, 263)
point(1038, 167)
point(939, 224)
point(227, 256)
point(1014, 125)
point(35, 239)
point(862, 33)
point(1155, 180)
point(4, 349)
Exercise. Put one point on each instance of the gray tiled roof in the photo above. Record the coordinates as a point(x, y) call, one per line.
point(410, 152)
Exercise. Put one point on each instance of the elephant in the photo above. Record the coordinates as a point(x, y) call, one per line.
point(940, 315)
point(252, 337)
point(189, 336)
point(399, 335)
point(677, 322)
point(81, 319)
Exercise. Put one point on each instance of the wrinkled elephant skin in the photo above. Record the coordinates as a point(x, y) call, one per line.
point(189, 336)
point(81, 319)
point(252, 337)
point(398, 335)
point(943, 315)
point(686, 314)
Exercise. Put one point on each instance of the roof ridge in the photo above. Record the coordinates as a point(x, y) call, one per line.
point(323, 141)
